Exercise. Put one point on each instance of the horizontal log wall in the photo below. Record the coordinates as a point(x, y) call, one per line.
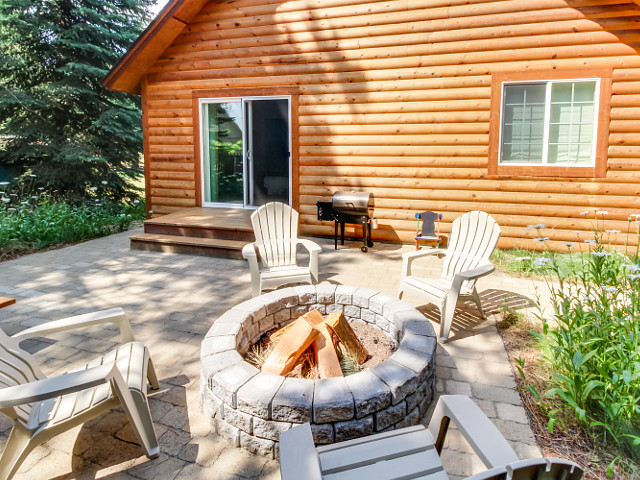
point(395, 98)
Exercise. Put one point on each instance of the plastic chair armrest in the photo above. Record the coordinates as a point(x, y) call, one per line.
point(114, 315)
point(39, 390)
point(409, 257)
point(312, 247)
point(249, 251)
point(477, 272)
point(298, 456)
point(483, 436)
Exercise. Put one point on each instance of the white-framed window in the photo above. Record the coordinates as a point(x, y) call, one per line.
point(549, 122)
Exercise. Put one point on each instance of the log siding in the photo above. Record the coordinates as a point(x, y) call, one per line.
point(395, 97)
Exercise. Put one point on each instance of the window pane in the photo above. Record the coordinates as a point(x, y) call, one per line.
point(572, 127)
point(523, 123)
point(561, 92)
point(584, 91)
point(223, 159)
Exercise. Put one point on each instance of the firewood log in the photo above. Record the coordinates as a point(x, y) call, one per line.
point(339, 325)
point(293, 343)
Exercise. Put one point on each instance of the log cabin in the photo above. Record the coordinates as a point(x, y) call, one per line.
point(528, 110)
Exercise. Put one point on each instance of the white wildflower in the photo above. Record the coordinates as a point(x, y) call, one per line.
point(541, 239)
point(539, 225)
point(631, 267)
point(40, 188)
point(601, 254)
point(568, 244)
point(98, 204)
point(104, 182)
point(539, 262)
point(590, 241)
point(609, 288)
point(6, 200)
point(93, 189)
point(522, 259)
point(4, 183)
point(602, 212)
point(613, 231)
point(136, 201)
point(34, 196)
point(633, 276)
point(586, 212)
point(33, 175)
point(26, 202)
point(12, 209)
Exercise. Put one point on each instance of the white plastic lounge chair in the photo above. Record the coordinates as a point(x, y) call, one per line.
point(413, 452)
point(275, 226)
point(42, 407)
point(473, 238)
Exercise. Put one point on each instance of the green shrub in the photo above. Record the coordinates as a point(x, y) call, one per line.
point(592, 344)
point(32, 220)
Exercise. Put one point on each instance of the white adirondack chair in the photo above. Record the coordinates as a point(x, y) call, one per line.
point(414, 452)
point(275, 226)
point(473, 238)
point(42, 407)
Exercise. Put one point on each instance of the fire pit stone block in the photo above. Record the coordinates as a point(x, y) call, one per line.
point(354, 428)
point(344, 294)
point(370, 394)
point(332, 400)
point(323, 434)
point(390, 416)
point(252, 408)
point(256, 396)
point(226, 383)
point(401, 380)
point(294, 401)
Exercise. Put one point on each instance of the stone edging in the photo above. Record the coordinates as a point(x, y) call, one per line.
point(252, 408)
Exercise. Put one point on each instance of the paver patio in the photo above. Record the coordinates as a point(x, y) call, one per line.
point(171, 301)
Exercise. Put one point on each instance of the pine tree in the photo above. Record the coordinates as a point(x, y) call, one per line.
point(57, 121)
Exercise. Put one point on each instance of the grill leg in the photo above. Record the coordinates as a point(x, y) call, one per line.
point(335, 234)
point(369, 242)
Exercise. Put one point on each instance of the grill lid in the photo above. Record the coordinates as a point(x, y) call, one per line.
point(354, 203)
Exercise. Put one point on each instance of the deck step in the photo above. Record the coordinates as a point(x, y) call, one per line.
point(222, 223)
point(210, 247)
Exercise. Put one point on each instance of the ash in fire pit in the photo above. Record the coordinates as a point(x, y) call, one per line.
point(252, 408)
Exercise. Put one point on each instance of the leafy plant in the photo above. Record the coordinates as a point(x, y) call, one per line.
point(348, 360)
point(592, 344)
point(31, 219)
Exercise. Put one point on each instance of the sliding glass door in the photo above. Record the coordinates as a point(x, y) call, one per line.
point(246, 145)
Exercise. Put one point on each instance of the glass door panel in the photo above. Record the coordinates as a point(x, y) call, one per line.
point(268, 150)
point(223, 159)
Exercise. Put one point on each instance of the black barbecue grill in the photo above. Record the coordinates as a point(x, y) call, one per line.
point(349, 207)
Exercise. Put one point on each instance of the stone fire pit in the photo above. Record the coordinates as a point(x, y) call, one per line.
point(252, 408)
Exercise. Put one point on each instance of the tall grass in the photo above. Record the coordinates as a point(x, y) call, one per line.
point(592, 344)
point(31, 220)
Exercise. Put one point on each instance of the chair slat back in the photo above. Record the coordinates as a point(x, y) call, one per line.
point(275, 226)
point(429, 220)
point(16, 367)
point(474, 236)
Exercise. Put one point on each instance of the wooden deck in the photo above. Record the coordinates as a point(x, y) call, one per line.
point(217, 232)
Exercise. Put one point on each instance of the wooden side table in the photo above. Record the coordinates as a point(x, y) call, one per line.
point(6, 301)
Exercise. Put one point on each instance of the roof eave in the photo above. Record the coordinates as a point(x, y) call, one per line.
point(125, 76)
